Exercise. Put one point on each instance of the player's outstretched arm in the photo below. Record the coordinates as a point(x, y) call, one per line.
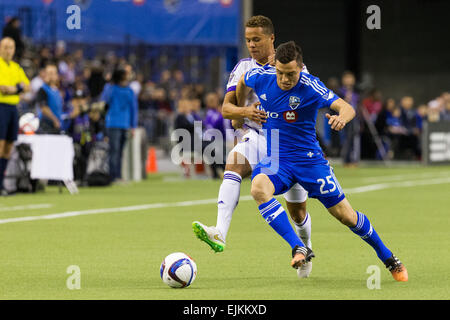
point(233, 102)
point(345, 114)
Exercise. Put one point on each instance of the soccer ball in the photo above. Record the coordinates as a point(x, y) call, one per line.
point(178, 270)
point(28, 123)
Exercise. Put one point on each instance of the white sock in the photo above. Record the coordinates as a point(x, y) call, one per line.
point(227, 201)
point(303, 230)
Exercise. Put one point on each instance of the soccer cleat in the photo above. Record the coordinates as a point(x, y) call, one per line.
point(301, 256)
point(210, 235)
point(397, 269)
point(304, 270)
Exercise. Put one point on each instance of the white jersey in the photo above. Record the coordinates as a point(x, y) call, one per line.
point(241, 68)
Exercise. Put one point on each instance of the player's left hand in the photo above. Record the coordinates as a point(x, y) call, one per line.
point(336, 122)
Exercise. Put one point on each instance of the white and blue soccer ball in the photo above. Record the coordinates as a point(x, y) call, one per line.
point(178, 270)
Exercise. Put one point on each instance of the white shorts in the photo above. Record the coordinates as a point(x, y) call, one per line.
point(296, 194)
point(253, 146)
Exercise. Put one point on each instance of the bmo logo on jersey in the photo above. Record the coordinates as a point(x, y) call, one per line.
point(273, 115)
point(290, 116)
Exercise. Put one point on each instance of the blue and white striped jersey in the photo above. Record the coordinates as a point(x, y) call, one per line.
point(292, 112)
point(243, 66)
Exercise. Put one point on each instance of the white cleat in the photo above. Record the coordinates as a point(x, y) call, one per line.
point(209, 235)
point(304, 270)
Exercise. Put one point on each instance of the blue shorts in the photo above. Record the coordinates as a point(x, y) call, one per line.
point(317, 178)
point(9, 122)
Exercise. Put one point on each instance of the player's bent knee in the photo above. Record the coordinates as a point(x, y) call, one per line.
point(261, 190)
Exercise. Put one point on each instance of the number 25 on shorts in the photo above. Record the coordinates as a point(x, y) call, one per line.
point(329, 182)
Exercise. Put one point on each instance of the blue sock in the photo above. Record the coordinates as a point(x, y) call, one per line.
point(365, 230)
point(3, 163)
point(276, 217)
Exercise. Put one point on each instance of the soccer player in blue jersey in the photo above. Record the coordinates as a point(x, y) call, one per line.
point(246, 154)
point(292, 102)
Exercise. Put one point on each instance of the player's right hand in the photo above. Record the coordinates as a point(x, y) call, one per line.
point(336, 122)
point(254, 114)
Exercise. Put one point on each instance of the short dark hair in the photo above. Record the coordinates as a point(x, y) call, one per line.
point(289, 51)
point(118, 76)
point(261, 21)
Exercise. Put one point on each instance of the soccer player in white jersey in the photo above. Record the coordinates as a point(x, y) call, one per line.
point(259, 35)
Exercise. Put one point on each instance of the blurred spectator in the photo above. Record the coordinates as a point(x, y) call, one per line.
point(96, 81)
point(45, 57)
point(137, 83)
point(80, 132)
point(385, 113)
point(421, 117)
point(12, 30)
point(382, 127)
point(50, 102)
point(163, 109)
point(351, 140)
point(434, 113)
point(396, 130)
point(333, 84)
point(185, 120)
point(121, 116)
point(409, 116)
point(60, 50)
point(66, 69)
point(178, 80)
point(373, 103)
point(147, 112)
point(408, 113)
point(215, 120)
point(394, 122)
point(35, 84)
point(445, 113)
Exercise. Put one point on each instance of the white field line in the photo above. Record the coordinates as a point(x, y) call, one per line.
point(413, 183)
point(67, 214)
point(406, 176)
point(28, 206)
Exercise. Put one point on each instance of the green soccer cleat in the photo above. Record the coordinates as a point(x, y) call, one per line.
point(210, 235)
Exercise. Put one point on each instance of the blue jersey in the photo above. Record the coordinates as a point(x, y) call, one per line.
point(292, 112)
